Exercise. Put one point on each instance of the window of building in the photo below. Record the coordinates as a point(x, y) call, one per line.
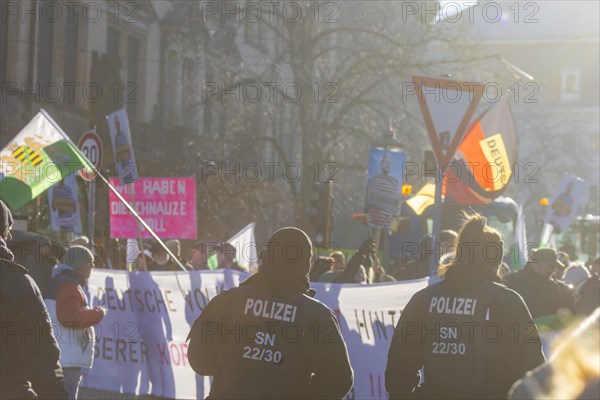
point(45, 48)
point(113, 41)
point(3, 49)
point(189, 92)
point(207, 106)
point(132, 82)
point(71, 53)
point(571, 84)
point(127, 48)
point(133, 57)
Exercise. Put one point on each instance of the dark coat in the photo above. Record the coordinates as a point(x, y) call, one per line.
point(29, 354)
point(589, 296)
point(478, 362)
point(38, 252)
point(302, 357)
point(543, 296)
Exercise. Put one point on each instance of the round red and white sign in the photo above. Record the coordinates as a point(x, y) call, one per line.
point(91, 147)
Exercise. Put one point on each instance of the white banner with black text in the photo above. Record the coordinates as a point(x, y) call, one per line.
point(141, 348)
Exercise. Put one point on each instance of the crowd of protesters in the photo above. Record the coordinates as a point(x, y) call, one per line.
point(553, 288)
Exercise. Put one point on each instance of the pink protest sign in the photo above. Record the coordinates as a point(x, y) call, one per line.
point(168, 205)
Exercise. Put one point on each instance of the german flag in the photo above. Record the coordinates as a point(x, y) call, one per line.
point(27, 155)
point(484, 158)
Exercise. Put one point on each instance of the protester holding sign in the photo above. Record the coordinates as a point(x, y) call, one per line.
point(256, 339)
point(472, 336)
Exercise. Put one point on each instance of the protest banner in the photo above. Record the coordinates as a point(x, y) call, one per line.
point(64, 206)
point(168, 205)
point(570, 196)
point(141, 347)
point(120, 137)
point(384, 185)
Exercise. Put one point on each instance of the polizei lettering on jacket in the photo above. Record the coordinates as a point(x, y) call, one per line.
point(271, 309)
point(452, 305)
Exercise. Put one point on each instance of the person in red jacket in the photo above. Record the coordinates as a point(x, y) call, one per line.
point(69, 311)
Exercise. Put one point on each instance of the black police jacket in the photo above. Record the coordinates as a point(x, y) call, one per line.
point(262, 343)
point(30, 365)
point(472, 336)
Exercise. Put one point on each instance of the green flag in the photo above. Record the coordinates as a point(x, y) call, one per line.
point(38, 157)
point(212, 262)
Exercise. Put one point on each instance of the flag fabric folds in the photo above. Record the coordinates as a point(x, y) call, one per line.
point(521, 239)
point(38, 157)
point(245, 246)
point(424, 198)
point(482, 170)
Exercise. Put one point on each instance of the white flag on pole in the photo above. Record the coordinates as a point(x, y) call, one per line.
point(245, 246)
point(521, 236)
point(546, 236)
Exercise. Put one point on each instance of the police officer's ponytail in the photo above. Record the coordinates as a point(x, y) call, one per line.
point(478, 245)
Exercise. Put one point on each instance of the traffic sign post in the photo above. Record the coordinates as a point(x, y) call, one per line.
point(91, 146)
point(447, 107)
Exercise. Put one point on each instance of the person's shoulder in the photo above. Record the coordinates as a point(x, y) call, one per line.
point(15, 275)
point(514, 277)
point(427, 290)
point(509, 298)
point(228, 293)
point(222, 303)
point(232, 294)
point(8, 267)
point(504, 290)
point(15, 279)
point(591, 283)
point(306, 299)
point(319, 309)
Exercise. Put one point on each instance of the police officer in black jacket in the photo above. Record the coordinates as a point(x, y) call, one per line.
point(269, 338)
point(472, 336)
point(29, 366)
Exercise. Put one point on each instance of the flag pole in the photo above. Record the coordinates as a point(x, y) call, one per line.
point(114, 190)
point(137, 224)
point(138, 218)
point(91, 208)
